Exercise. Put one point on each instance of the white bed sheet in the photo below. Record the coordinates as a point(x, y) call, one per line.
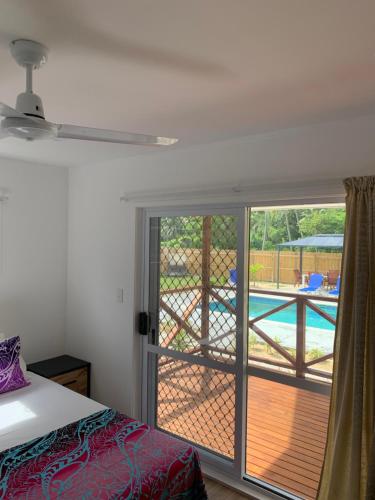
point(40, 408)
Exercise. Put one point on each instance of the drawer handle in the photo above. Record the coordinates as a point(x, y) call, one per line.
point(70, 383)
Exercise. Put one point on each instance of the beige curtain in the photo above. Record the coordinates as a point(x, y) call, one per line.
point(348, 470)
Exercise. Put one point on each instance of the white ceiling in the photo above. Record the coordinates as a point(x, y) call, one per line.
point(199, 70)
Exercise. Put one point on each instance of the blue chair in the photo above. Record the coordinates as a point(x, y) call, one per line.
point(336, 290)
point(233, 276)
point(316, 281)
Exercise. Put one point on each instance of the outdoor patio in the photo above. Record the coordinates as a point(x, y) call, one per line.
point(286, 426)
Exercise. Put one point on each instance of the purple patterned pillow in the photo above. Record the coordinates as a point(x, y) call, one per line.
point(11, 375)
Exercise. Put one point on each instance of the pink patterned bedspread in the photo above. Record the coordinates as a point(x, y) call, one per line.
point(104, 456)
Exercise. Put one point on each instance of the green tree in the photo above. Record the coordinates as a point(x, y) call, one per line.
point(323, 221)
point(187, 232)
point(267, 228)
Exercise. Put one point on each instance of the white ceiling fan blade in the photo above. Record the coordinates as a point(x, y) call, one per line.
point(114, 136)
point(8, 112)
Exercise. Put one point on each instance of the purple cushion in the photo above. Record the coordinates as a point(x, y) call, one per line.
point(11, 375)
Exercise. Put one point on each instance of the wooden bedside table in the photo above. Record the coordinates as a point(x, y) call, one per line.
point(70, 372)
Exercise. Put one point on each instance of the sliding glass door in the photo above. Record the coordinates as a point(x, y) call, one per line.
point(294, 265)
point(238, 360)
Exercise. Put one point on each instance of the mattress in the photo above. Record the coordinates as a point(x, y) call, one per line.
point(57, 444)
point(39, 408)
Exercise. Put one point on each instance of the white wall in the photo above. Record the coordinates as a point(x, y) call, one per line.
point(102, 243)
point(33, 257)
point(102, 252)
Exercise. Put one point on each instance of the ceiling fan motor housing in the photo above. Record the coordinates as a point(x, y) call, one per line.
point(30, 104)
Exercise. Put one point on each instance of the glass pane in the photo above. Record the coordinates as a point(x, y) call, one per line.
point(196, 403)
point(294, 262)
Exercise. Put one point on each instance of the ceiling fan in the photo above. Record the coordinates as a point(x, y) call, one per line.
point(27, 120)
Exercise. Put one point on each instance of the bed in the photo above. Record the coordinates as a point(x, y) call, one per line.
point(55, 443)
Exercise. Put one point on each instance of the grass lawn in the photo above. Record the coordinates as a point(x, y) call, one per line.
point(170, 282)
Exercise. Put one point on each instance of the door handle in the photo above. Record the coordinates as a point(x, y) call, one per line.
point(143, 323)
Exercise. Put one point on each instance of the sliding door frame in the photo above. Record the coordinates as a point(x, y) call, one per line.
point(233, 470)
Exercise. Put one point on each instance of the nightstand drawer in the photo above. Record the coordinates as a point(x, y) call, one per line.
point(66, 370)
point(75, 380)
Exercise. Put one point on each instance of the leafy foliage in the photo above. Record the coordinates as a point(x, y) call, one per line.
point(267, 228)
point(323, 221)
point(186, 232)
point(180, 342)
point(254, 269)
point(315, 353)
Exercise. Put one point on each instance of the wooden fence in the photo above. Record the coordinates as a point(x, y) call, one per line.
point(223, 260)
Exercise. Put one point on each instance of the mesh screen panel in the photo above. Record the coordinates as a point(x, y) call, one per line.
point(197, 403)
point(197, 310)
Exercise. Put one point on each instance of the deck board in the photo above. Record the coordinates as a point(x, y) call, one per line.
point(286, 426)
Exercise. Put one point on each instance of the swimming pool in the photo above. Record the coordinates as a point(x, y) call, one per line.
point(259, 305)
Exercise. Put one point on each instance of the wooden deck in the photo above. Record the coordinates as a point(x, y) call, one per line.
point(286, 426)
point(286, 435)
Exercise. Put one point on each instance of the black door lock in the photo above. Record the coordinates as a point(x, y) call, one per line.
point(143, 323)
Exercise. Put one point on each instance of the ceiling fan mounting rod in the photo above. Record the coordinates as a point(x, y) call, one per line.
point(29, 103)
point(29, 78)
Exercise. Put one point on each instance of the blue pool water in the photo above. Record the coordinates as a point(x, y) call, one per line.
point(260, 305)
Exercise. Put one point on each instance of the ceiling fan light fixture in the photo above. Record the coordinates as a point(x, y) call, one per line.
point(30, 130)
point(167, 141)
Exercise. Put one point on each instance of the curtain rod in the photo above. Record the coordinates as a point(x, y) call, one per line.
point(329, 188)
point(174, 193)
